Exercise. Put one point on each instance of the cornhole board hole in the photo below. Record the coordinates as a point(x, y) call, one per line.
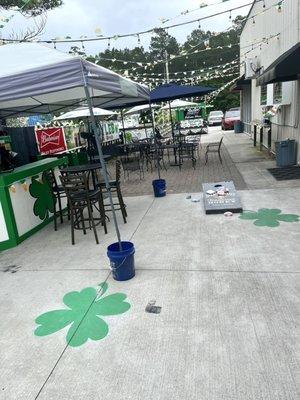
point(215, 204)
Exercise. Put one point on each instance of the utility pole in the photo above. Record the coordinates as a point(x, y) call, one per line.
point(167, 66)
point(168, 80)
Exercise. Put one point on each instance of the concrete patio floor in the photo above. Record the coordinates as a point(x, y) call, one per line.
point(229, 292)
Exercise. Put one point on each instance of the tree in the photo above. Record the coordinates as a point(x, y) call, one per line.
point(31, 7)
point(161, 43)
point(238, 24)
point(32, 31)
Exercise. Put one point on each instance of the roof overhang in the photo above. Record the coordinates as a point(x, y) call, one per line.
point(285, 68)
point(240, 84)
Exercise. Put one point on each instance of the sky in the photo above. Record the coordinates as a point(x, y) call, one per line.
point(78, 18)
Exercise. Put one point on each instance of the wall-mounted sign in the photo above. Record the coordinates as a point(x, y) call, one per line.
point(50, 140)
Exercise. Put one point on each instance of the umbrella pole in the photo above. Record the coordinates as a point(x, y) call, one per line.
point(145, 130)
point(122, 116)
point(155, 141)
point(98, 131)
point(171, 119)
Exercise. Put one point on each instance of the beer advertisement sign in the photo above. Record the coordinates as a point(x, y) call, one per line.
point(50, 140)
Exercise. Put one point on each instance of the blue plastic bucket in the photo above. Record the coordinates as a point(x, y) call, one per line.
point(159, 187)
point(122, 262)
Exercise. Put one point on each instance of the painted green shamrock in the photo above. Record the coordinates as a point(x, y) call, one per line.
point(84, 309)
point(269, 217)
point(44, 200)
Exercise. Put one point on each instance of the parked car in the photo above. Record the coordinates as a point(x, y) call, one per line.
point(231, 116)
point(215, 118)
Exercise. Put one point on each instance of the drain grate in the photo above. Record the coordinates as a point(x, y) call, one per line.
point(285, 173)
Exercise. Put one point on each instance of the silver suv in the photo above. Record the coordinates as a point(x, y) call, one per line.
point(215, 118)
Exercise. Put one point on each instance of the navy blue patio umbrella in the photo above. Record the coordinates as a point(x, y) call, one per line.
point(172, 91)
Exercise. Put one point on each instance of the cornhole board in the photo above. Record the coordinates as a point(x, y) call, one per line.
point(214, 204)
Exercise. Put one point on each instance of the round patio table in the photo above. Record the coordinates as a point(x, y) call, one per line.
point(81, 168)
point(89, 168)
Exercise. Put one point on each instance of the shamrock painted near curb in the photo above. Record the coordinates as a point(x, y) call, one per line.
point(83, 314)
point(269, 217)
point(41, 191)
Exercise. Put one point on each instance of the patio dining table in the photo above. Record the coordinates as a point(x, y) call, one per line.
point(88, 168)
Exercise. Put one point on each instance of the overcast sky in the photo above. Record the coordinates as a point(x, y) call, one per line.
point(81, 17)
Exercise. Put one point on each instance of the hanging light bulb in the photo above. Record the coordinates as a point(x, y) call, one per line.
point(264, 4)
point(253, 21)
point(139, 40)
point(279, 6)
point(230, 16)
point(108, 44)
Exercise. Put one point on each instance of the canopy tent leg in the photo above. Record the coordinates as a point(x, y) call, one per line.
point(98, 131)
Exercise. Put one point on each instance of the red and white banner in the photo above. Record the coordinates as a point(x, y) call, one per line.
point(50, 140)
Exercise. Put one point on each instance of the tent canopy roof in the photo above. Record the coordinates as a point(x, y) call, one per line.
point(180, 104)
point(35, 79)
point(138, 109)
point(170, 91)
point(285, 68)
point(84, 112)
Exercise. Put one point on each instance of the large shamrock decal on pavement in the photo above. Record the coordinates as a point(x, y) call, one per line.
point(41, 191)
point(83, 314)
point(269, 217)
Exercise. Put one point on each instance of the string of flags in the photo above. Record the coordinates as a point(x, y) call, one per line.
point(213, 67)
point(190, 80)
point(214, 94)
point(148, 65)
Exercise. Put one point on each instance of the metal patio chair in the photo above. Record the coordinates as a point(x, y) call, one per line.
point(115, 188)
point(58, 192)
point(187, 151)
point(214, 147)
point(80, 199)
point(132, 163)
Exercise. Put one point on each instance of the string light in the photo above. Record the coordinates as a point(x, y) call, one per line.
point(279, 6)
point(202, 5)
point(118, 36)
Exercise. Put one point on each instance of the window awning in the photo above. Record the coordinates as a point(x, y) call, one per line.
point(240, 83)
point(285, 68)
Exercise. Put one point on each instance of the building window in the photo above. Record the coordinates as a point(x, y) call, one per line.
point(263, 95)
point(277, 92)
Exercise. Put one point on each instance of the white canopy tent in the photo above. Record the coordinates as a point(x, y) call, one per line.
point(84, 112)
point(35, 79)
point(179, 104)
point(138, 109)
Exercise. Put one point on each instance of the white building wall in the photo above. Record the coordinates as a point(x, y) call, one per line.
point(262, 25)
